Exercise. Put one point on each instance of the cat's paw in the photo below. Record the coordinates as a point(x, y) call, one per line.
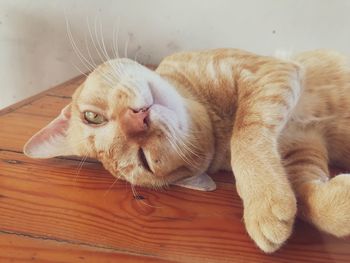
point(327, 205)
point(269, 219)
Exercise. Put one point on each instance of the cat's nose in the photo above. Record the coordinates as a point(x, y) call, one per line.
point(135, 121)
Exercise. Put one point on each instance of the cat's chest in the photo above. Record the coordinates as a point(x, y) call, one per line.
point(222, 129)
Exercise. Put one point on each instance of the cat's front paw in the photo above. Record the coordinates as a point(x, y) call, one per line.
point(269, 219)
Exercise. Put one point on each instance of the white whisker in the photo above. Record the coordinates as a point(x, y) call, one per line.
point(126, 46)
point(109, 189)
point(81, 163)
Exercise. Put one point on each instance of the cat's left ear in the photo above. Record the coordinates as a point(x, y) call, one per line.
point(202, 182)
point(51, 141)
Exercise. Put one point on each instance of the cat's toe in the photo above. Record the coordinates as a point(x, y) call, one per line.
point(270, 224)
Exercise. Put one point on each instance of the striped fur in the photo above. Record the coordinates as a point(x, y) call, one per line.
point(277, 123)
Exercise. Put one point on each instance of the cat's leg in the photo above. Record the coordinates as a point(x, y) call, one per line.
point(264, 106)
point(337, 133)
point(322, 201)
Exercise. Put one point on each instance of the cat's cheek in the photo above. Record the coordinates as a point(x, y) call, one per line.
point(161, 115)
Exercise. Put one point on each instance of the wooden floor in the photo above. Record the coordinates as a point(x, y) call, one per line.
point(57, 211)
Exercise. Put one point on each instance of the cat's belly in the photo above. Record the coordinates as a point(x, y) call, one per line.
point(222, 157)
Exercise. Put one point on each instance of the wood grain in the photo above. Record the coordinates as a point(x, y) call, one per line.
point(53, 211)
point(22, 248)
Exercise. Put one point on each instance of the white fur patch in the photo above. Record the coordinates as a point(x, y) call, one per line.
point(284, 54)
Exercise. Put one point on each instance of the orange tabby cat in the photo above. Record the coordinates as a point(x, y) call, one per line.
point(276, 123)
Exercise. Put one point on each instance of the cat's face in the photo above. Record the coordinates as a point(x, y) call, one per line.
point(135, 123)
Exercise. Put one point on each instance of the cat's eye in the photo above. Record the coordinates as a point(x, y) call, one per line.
point(94, 118)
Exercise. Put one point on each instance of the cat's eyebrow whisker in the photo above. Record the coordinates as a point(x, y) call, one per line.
point(104, 51)
point(103, 46)
point(74, 46)
point(115, 39)
point(101, 49)
point(94, 39)
point(126, 46)
point(86, 63)
point(77, 68)
point(87, 43)
point(136, 54)
point(96, 46)
point(81, 57)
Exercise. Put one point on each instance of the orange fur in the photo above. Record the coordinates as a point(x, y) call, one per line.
point(276, 123)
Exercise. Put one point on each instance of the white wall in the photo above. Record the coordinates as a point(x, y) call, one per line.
point(35, 52)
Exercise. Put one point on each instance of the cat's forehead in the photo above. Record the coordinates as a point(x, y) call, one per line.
point(115, 80)
point(97, 92)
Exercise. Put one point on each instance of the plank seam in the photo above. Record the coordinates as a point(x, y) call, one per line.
point(60, 157)
point(79, 243)
point(58, 96)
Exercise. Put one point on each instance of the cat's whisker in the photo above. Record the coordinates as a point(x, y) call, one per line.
point(89, 65)
point(118, 68)
point(81, 57)
point(176, 142)
point(103, 48)
point(94, 39)
point(111, 186)
point(97, 47)
point(80, 71)
point(80, 166)
point(110, 79)
point(126, 46)
point(88, 45)
point(115, 39)
point(180, 152)
point(104, 51)
point(136, 195)
point(188, 148)
point(136, 54)
point(73, 44)
point(184, 152)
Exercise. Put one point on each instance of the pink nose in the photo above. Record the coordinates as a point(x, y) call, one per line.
point(135, 121)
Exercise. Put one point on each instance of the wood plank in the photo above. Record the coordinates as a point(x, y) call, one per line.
point(22, 248)
point(47, 106)
point(17, 128)
point(47, 199)
point(65, 89)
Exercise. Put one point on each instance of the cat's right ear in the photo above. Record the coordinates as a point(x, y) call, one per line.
point(51, 141)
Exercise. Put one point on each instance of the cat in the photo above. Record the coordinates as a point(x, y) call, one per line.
point(276, 123)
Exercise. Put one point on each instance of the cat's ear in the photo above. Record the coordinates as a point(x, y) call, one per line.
point(202, 182)
point(51, 141)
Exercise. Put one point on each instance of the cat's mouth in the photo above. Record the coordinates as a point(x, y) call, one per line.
point(143, 160)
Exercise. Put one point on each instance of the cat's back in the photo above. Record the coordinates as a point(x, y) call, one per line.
point(326, 81)
point(207, 75)
point(211, 76)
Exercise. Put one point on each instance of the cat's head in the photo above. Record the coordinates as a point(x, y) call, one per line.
point(136, 123)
